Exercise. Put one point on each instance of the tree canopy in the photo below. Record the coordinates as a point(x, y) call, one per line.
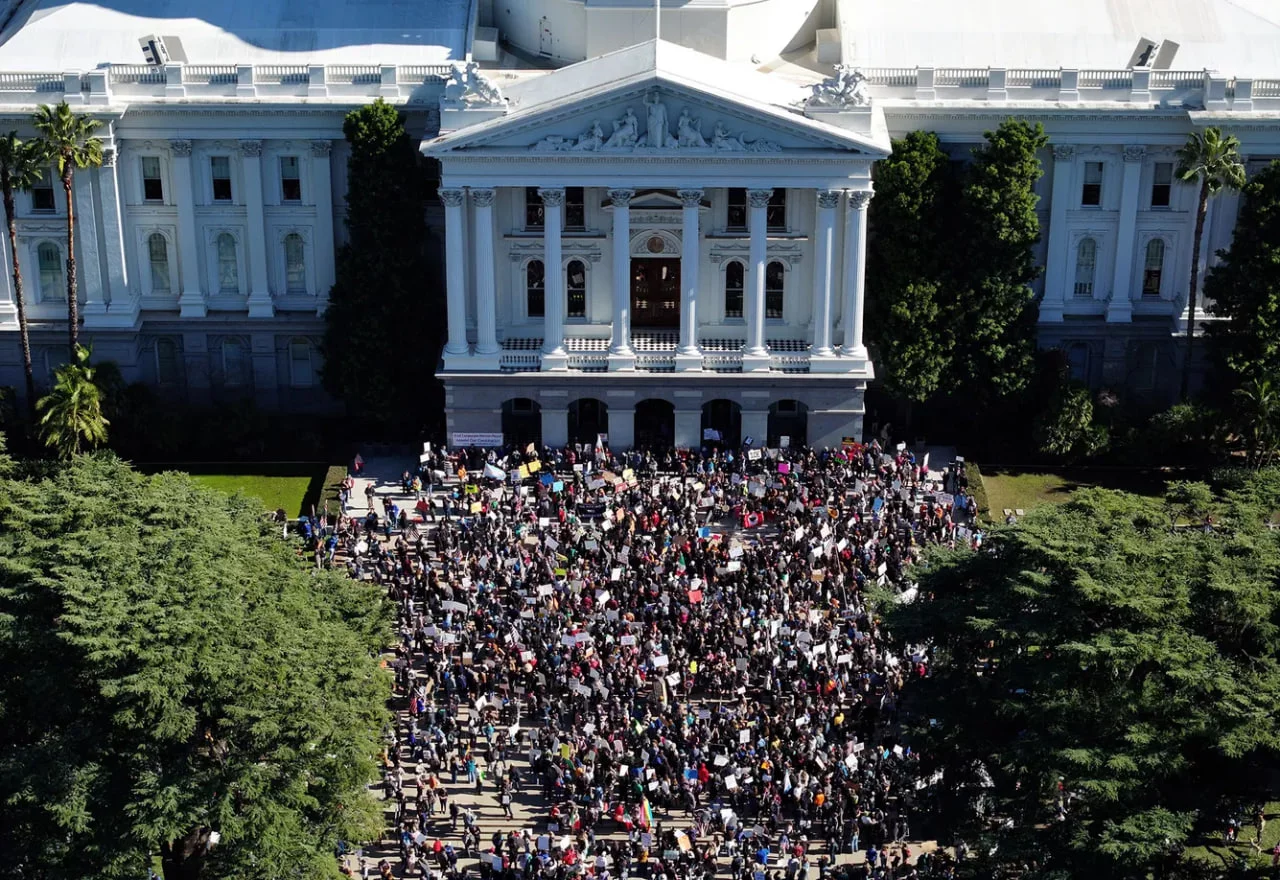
point(1109, 669)
point(71, 416)
point(1244, 287)
point(383, 324)
point(950, 265)
point(169, 670)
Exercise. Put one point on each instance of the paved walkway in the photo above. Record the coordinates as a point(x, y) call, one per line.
point(529, 808)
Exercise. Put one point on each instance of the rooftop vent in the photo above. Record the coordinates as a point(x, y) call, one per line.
point(1152, 55)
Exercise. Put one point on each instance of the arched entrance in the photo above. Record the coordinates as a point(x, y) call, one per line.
point(522, 422)
point(588, 417)
point(655, 424)
point(788, 418)
point(724, 417)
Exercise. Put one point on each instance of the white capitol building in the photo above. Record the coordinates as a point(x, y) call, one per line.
point(644, 238)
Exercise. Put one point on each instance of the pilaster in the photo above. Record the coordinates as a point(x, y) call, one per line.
point(1051, 304)
point(322, 187)
point(1120, 307)
point(260, 304)
point(191, 302)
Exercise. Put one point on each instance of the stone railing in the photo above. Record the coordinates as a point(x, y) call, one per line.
point(1175, 88)
point(132, 83)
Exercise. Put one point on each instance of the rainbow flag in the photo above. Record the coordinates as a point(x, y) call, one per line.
point(648, 813)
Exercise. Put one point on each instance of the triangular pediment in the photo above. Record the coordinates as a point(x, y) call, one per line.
point(676, 96)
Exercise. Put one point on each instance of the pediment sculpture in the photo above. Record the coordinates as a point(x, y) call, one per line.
point(468, 87)
point(628, 135)
point(846, 89)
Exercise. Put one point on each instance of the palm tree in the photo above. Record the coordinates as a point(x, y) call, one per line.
point(69, 138)
point(71, 413)
point(22, 163)
point(1258, 413)
point(1213, 161)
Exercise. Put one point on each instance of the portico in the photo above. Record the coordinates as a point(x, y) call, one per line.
point(726, 247)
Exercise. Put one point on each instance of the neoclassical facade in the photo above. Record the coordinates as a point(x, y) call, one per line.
point(641, 233)
point(653, 237)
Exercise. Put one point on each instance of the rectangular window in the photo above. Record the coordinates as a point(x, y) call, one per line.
point(1161, 184)
point(776, 214)
point(220, 169)
point(575, 208)
point(532, 208)
point(166, 362)
point(1091, 193)
point(300, 365)
point(152, 184)
point(234, 372)
point(737, 218)
point(290, 180)
point(42, 193)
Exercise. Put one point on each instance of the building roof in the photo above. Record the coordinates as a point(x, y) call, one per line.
point(586, 84)
point(1235, 37)
point(54, 35)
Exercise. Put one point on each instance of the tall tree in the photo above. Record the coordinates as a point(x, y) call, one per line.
point(71, 418)
point(70, 139)
point(22, 163)
point(912, 344)
point(992, 312)
point(1213, 161)
point(384, 293)
point(169, 671)
point(1244, 288)
point(1100, 675)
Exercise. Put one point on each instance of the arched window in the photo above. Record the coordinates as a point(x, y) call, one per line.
point(535, 288)
point(51, 283)
point(1086, 263)
point(235, 370)
point(295, 268)
point(228, 265)
point(301, 374)
point(577, 289)
point(158, 257)
point(734, 284)
point(166, 362)
point(1153, 268)
point(774, 286)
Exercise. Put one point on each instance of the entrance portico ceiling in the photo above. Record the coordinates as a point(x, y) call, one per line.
point(754, 113)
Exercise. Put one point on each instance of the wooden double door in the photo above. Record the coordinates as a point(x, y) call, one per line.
point(655, 292)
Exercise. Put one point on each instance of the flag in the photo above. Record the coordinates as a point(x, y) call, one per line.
point(751, 520)
point(494, 473)
point(648, 813)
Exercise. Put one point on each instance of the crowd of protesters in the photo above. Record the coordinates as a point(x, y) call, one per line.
point(670, 658)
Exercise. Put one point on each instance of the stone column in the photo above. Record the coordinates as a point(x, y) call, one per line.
point(555, 424)
point(755, 356)
point(554, 356)
point(322, 186)
point(455, 286)
point(8, 306)
point(123, 307)
point(88, 265)
point(1055, 274)
point(621, 356)
point(1120, 308)
point(486, 289)
point(688, 356)
point(259, 302)
point(855, 281)
point(688, 427)
point(823, 276)
point(191, 303)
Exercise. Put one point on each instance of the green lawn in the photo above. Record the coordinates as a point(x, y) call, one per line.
point(1213, 851)
point(273, 492)
point(295, 487)
point(1030, 489)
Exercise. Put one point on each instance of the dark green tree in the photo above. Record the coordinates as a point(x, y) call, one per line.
point(1068, 429)
point(1102, 671)
point(908, 242)
point(169, 671)
point(71, 418)
point(385, 317)
point(992, 314)
point(1244, 288)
